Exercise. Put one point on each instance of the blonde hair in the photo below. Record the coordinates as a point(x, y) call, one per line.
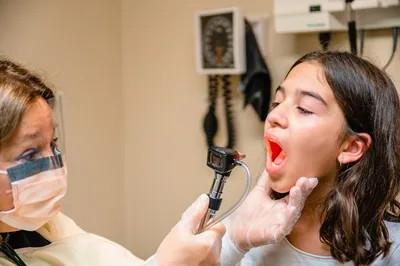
point(18, 89)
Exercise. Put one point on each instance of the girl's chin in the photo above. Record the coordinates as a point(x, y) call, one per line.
point(280, 190)
point(280, 187)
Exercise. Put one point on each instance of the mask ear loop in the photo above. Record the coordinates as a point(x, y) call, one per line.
point(238, 203)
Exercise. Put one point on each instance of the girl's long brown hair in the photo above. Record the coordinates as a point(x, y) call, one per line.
point(365, 191)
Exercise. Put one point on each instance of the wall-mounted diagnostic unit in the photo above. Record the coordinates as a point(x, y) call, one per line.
point(296, 16)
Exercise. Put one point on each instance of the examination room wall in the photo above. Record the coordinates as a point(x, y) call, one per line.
point(76, 46)
point(134, 104)
point(165, 101)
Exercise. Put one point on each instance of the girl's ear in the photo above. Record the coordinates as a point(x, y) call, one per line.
point(354, 147)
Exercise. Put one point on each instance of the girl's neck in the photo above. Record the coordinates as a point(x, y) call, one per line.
point(316, 200)
point(305, 234)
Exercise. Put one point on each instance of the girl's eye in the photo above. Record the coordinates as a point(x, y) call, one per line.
point(28, 155)
point(274, 104)
point(304, 111)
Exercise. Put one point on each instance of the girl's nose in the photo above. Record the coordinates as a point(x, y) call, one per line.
point(277, 117)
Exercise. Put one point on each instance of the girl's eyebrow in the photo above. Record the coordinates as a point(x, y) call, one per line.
point(303, 92)
point(313, 95)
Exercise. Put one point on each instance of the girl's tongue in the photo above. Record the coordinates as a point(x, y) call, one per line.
point(277, 154)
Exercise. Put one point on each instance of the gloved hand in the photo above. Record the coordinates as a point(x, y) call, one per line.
point(182, 246)
point(261, 220)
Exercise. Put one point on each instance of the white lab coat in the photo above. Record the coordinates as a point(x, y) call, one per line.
point(72, 246)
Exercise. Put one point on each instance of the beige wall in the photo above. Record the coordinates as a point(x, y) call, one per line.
point(76, 46)
point(134, 103)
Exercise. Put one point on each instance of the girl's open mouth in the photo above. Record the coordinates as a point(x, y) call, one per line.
point(278, 155)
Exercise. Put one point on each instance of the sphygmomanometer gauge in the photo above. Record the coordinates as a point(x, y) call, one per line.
point(220, 42)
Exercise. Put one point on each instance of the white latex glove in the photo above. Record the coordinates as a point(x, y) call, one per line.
point(182, 246)
point(261, 220)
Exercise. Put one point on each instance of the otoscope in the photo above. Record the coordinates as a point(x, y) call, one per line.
point(222, 161)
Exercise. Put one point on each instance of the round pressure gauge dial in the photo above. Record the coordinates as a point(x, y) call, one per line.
point(217, 41)
point(220, 42)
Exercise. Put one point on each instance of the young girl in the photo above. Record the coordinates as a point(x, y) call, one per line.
point(334, 117)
